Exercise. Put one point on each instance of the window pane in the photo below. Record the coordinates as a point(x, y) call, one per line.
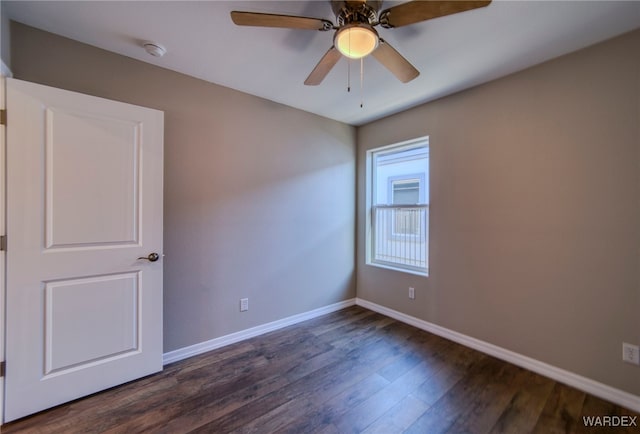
point(400, 237)
point(406, 221)
point(402, 172)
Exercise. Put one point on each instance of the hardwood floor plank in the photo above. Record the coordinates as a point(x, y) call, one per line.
point(401, 388)
point(461, 396)
point(399, 417)
point(201, 410)
point(319, 326)
point(236, 414)
point(361, 416)
point(326, 382)
point(276, 419)
point(326, 409)
point(279, 357)
point(92, 411)
point(447, 373)
point(315, 363)
point(345, 335)
point(349, 371)
point(561, 414)
point(524, 409)
point(396, 369)
point(225, 377)
point(428, 345)
point(329, 429)
point(491, 401)
point(204, 360)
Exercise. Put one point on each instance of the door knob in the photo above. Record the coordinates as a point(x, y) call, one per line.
point(153, 257)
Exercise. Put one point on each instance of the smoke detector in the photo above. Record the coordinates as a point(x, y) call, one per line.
point(155, 49)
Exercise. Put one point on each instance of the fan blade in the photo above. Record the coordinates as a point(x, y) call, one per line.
point(420, 10)
point(323, 67)
point(284, 21)
point(394, 62)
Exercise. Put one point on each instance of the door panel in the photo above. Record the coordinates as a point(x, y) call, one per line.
point(75, 308)
point(109, 191)
point(84, 202)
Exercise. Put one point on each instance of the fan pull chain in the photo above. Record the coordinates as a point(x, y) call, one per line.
point(361, 82)
point(349, 66)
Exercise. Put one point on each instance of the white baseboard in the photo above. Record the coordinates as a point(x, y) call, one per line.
point(585, 384)
point(203, 347)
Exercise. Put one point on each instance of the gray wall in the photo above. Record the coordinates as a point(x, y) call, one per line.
point(259, 197)
point(535, 212)
point(5, 36)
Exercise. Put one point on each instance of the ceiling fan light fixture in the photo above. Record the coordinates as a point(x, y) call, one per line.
point(356, 40)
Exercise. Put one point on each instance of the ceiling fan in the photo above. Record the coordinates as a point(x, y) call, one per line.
point(355, 36)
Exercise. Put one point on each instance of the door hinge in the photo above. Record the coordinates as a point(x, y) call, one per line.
point(3, 117)
point(3, 243)
point(1, 369)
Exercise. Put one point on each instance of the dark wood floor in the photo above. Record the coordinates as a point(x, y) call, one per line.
point(350, 371)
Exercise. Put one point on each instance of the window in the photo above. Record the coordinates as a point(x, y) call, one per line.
point(398, 200)
point(405, 191)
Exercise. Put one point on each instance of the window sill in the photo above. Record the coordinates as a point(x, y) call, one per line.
point(401, 270)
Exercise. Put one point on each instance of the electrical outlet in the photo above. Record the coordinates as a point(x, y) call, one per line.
point(631, 353)
point(412, 293)
point(244, 304)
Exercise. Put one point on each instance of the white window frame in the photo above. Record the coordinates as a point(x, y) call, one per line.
point(371, 189)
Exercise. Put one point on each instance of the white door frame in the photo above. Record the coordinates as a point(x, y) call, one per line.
point(3, 137)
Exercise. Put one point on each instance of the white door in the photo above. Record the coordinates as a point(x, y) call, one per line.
point(84, 202)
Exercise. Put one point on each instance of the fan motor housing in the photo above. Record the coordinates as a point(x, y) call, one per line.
point(354, 11)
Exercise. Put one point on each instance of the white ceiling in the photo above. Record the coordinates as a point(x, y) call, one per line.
point(452, 53)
